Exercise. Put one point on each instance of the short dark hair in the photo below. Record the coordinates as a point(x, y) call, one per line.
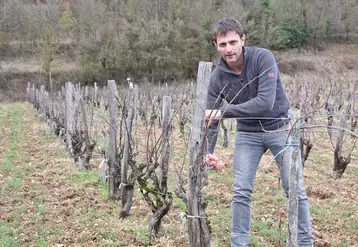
point(225, 25)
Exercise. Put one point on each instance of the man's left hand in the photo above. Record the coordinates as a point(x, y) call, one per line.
point(211, 115)
point(213, 162)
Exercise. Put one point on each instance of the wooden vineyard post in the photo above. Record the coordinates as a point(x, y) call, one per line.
point(198, 230)
point(295, 159)
point(126, 187)
point(89, 147)
point(29, 93)
point(114, 167)
point(165, 152)
point(43, 103)
point(86, 94)
point(50, 80)
point(95, 98)
point(69, 115)
point(136, 112)
point(34, 94)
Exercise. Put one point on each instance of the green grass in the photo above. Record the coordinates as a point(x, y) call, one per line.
point(342, 244)
point(14, 182)
point(106, 238)
point(50, 137)
point(177, 202)
point(29, 167)
point(14, 122)
point(220, 223)
point(329, 215)
point(93, 178)
point(255, 241)
point(142, 235)
point(93, 214)
point(212, 198)
point(268, 231)
point(171, 231)
point(9, 235)
point(317, 210)
point(43, 237)
point(82, 177)
point(101, 233)
point(10, 231)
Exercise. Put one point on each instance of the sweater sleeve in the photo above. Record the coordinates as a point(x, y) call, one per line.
point(214, 101)
point(266, 93)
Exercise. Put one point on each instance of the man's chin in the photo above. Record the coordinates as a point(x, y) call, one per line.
point(231, 61)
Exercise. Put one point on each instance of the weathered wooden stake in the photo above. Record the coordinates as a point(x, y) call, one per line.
point(95, 95)
point(89, 146)
point(114, 168)
point(86, 94)
point(198, 230)
point(50, 79)
point(34, 94)
point(294, 150)
point(165, 152)
point(127, 189)
point(69, 115)
point(135, 119)
point(28, 93)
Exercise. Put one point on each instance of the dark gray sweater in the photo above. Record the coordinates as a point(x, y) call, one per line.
point(261, 102)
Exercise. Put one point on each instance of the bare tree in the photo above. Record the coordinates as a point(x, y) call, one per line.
point(347, 9)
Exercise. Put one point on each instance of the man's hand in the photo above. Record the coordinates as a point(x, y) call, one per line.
point(211, 115)
point(213, 162)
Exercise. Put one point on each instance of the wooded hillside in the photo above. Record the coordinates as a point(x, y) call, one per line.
point(158, 39)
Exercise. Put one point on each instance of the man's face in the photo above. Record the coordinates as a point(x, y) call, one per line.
point(230, 46)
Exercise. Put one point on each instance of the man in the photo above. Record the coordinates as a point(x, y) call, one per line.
point(249, 80)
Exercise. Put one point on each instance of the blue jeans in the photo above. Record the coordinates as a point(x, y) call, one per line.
point(249, 148)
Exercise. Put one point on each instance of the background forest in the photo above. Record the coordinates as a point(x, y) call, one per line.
point(159, 40)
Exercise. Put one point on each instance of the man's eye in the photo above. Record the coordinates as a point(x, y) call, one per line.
point(233, 42)
point(222, 45)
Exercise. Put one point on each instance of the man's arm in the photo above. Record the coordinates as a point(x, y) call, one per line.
point(213, 113)
point(266, 93)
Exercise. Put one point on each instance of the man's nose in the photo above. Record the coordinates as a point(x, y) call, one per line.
point(229, 48)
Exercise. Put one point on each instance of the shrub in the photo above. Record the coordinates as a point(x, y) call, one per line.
point(292, 34)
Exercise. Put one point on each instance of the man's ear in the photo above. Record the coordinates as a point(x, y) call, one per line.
point(243, 38)
point(215, 44)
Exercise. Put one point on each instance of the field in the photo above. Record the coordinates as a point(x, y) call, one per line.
point(47, 201)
